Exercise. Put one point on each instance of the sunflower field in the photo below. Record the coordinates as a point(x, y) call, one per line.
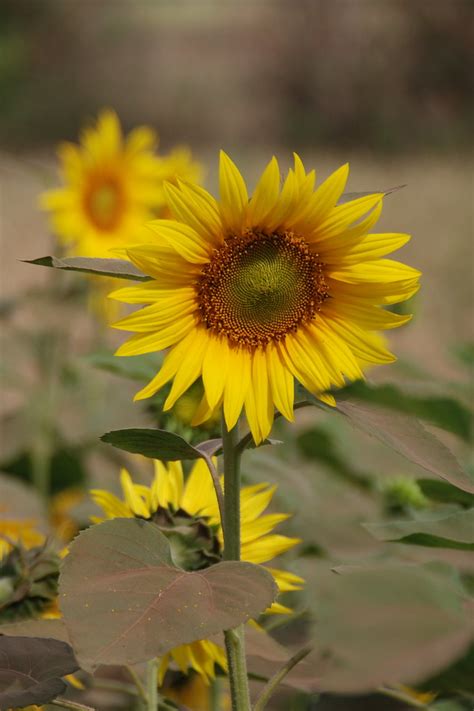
point(236, 465)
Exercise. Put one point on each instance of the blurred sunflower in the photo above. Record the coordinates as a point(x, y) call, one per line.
point(112, 186)
point(252, 294)
point(188, 514)
point(21, 531)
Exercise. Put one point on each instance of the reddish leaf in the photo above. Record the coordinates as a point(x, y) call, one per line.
point(31, 670)
point(124, 601)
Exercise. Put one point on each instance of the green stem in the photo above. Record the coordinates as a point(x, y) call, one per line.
point(152, 684)
point(138, 683)
point(73, 705)
point(234, 639)
point(272, 685)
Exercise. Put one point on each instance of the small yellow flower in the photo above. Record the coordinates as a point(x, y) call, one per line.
point(22, 531)
point(251, 294)
point(195, 501)
point(112, 185)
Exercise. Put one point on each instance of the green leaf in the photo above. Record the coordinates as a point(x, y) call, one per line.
point(155, 444)
point(465, 354)
point(445, 412)
point(141, 367)
point(31, 670)
point(346, 197)
point(448, 531)
point(407, 436)
point(123, 600)
point(118, 268)
point(445, 492)
point(388, 624)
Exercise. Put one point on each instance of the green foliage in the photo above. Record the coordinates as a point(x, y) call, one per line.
point(386, 623)
point(445, 412)
point(28, 582)
point(444, 492)
point(141, 367)
point(157, 444)
point(118, 268)
point(407, 436)
point(455, 530)
point(31, 670)
point(119, 578)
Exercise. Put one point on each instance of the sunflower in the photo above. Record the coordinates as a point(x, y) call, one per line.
point(112, 186)
point(251, 294)
point(188, 514)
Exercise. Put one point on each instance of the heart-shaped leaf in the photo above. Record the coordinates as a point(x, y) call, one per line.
point(31, 669)
point(407, 436)
point(447, 531)
point(118, 268)
point(124, 601)
point(156, 444)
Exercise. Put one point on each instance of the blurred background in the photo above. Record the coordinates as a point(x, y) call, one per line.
point(385, 84)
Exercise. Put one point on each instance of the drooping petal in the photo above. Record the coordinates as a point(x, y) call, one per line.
point(215, 369)
point(369, 316)
point(190, 367)
point(237, 385)
point(157, 316)
point(267, 547)
point(281, 383)
point(258, 401)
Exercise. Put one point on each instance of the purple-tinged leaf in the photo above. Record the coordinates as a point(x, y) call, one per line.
point(31, 669)
point(124, 601)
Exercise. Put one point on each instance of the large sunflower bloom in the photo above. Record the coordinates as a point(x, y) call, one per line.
point(192, 506)
point(253, 293)
point(112, 185)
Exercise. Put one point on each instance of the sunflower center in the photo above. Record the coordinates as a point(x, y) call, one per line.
point(259, 287)
point(104, 202)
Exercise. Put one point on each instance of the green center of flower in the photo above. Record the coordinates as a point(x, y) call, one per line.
point(259, 287)
point(103, 202)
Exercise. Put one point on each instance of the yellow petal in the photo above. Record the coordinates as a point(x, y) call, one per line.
point(237, 384)
point(186, 241)
point(385, 293)
point(157, 316)
point(206, 208)
point(359, 341)
point(285, 580)
point(199, 491)
point(373, 318)
point(258, 403)
point(362, 249)
point(267, 548)
point(214, 370)
point(261, 526)
point(322, 201)
point(169, 368)
point(233, 194)
point(193, 210)
point(150, 342)
point(133, 499)
point(266, 194)
point(379, 270)
point(190, 367)
point(345, 215)
point(150, 292)
point(336, 349)
point(281, 383)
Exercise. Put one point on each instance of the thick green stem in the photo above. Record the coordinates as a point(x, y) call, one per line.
point(234, 639)
point(152, 684)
